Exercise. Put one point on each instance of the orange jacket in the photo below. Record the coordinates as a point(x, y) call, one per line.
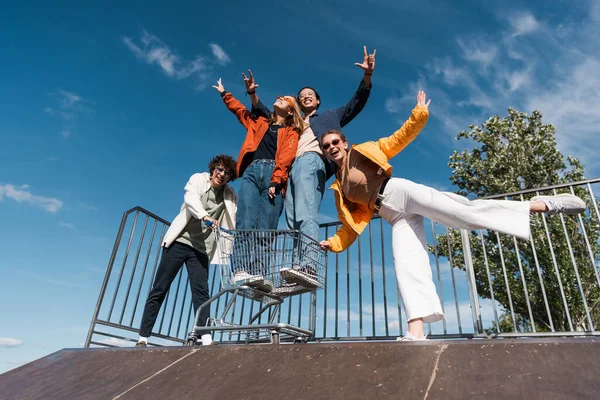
point(287, 142)
point(353, 216)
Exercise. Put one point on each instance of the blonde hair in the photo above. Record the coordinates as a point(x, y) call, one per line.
point(294, 120)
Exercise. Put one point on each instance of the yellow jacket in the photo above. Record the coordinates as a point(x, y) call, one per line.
point(355, 217)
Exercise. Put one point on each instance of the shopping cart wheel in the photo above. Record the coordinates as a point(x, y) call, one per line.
point(190, 342)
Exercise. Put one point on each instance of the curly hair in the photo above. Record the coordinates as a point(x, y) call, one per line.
point(226, 162)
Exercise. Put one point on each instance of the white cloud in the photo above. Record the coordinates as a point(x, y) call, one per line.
point(154, 51)
point(220, 54)
point(573, 106)
point(480, 52)
point(88, 206)
point(68, 105)
point(10, 342)
point(554, 71)
point(523, 24)
point(23, 195)
point(461, 76)
point(394, 105)
point(69, 99)
point(66, 225)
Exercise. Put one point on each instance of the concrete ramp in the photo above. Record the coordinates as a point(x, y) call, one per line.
point(490, 369)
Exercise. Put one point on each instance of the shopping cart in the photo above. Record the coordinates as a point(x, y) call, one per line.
point(266, 266)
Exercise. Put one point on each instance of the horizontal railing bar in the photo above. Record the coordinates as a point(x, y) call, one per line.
point(130, 329)
point(558, 186)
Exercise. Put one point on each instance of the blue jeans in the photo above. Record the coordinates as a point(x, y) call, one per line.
point(304, 194)
point(255, 210)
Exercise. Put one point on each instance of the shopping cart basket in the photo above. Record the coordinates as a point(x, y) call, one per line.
point(265, 266)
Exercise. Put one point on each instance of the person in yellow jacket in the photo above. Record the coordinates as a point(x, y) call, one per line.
point(364, 187)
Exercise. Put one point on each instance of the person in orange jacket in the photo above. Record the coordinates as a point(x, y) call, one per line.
point(364, 187)
point(263, 166)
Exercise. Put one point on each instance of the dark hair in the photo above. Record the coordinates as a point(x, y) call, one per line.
point(227, 162)
point(316, 94)
point(336, 132)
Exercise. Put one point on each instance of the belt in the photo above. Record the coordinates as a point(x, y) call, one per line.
point(380, 196)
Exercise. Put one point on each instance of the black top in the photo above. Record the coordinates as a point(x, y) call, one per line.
point(268, 145)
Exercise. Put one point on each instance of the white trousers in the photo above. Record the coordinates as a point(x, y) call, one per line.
point(405, 204)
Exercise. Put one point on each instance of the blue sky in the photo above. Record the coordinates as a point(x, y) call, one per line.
point(109, 106)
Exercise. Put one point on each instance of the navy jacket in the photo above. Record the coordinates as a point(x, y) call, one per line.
point(334, 118)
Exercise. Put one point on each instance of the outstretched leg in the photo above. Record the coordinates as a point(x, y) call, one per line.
point(454, 211)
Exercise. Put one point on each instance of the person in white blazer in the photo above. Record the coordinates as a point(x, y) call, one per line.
point(188, 240)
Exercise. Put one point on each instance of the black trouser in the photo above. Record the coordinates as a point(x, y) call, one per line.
point(171, 262)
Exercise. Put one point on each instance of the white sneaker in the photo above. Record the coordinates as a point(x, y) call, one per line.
point(305, 276)
point(245, 277)
point(409, 337)
point(254, 281)
point(565, 203)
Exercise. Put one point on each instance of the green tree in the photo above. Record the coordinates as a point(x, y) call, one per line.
point(511, 154)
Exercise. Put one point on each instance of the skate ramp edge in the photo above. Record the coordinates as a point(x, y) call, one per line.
point(519, 368)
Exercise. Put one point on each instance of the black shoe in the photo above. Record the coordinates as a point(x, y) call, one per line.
point(141, 344)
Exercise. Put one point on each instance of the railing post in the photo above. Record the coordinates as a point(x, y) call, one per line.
point(473, 297)
point(312, 317)
point(111, 261)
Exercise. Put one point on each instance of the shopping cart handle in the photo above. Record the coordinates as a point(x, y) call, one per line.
point(209, 223)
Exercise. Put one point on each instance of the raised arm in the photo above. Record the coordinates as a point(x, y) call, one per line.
point(356, 104)
point(258, 108)
point(394, 144)
point(237, 108)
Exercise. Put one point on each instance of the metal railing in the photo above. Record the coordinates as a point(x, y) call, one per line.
point(490, 284)
point(545, 286)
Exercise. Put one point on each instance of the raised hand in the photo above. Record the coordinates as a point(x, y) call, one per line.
point(368, 64)
point(421, 97)
point(219, 86)
point(249, 82)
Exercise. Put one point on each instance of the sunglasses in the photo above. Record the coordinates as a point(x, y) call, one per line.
point(289, 101)
point(334, 142)
point(220, 170)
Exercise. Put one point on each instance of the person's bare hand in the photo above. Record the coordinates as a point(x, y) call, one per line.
point(421, 97)
point(325, 245)
point(368, 64)
point(249, 82)
point(272, 193)
point(219, 86)
point(214, 223)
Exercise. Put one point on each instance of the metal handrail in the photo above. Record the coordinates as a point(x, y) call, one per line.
point(359, 297)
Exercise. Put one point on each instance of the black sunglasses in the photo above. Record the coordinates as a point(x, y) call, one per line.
point(334, 142)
